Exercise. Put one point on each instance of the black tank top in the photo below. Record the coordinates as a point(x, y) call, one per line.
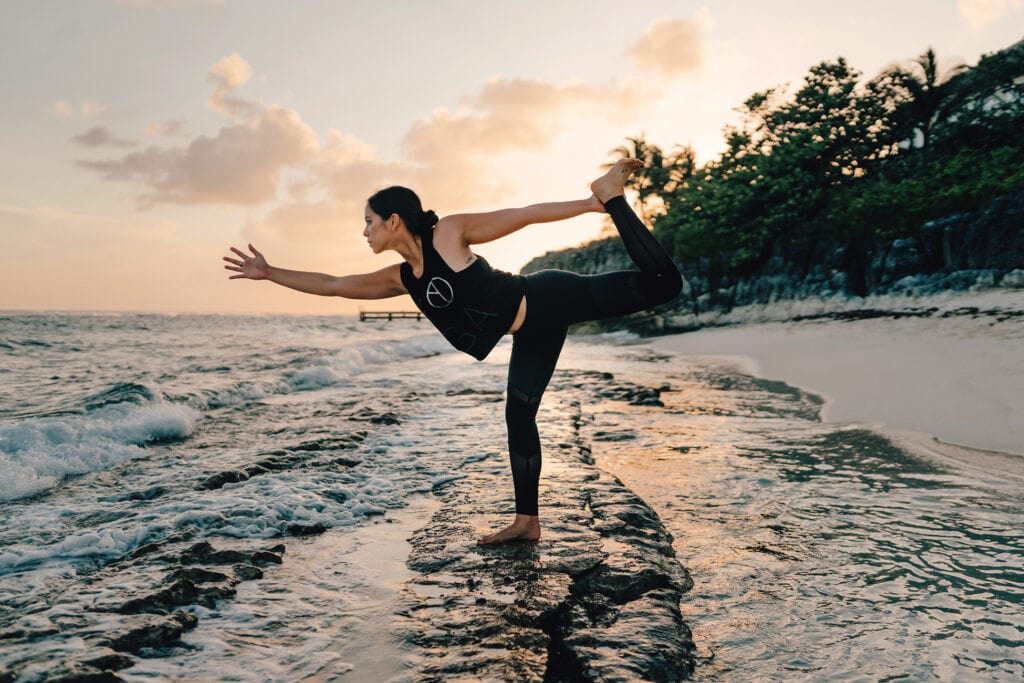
point(472, 308)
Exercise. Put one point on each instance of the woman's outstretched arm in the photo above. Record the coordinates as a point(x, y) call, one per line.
point(476, 228)
point(381, 284)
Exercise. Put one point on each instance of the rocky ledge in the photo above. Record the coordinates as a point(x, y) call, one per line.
point(597, 599)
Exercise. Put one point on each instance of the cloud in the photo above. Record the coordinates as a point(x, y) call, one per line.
point(99, 136)
point(240, 165)
point(673, 47)
point(978, 13)
point(227, 75)
point(66, 110)
point(449, 155)
point(170, 128)
point(512, 114)
point(451, 151)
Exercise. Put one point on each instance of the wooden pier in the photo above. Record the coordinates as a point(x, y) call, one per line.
point(388, 315)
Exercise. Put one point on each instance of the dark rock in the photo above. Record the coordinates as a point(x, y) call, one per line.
point(204, 553)
point(306, 529)
point(218, 480)
point(113, 661)
point(77, 672)
point(180, 592)
point(247, 572)
point(264, 557)
point(27, 633)
point(154, 633)
point(196, 575)
point(372, 416)
point(148, 494)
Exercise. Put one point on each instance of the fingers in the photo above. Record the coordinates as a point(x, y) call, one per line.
point(253, 250)
point(240, 253)
point(235, 262)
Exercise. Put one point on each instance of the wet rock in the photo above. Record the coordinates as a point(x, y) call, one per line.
point(76, 672)
point(247, 572)
point(113, 661)
point(180, 592)
point(596, 599)
point(218, 480)
point(302, 455)
point(197, 575)
point(306, 529)
point(153, 633)
point(374, 417)
point(332, 443)
point(147, 494)
point(204, 553)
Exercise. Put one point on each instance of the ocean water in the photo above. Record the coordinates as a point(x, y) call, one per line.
point(819, 551)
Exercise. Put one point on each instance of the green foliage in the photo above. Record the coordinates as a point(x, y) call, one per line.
point(842, 161)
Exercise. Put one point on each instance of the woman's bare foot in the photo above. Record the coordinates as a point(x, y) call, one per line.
point(525, 528)
point(611, 184)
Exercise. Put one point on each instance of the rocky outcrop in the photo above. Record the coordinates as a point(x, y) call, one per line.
point(597, 599)
point(977, 250)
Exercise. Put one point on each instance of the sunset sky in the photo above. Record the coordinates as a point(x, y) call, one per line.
point(141, 138)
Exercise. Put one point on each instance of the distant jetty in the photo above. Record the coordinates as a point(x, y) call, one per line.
point(388, 315)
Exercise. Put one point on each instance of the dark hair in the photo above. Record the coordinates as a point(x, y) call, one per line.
point(404, 202)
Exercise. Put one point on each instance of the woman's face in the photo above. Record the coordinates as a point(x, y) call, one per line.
point(375, 232)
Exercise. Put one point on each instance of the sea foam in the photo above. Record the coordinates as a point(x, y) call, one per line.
point(36, 454)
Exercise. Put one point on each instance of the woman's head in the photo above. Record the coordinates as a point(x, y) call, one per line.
point(402, 202)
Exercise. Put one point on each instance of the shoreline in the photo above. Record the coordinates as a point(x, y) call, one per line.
point(955, 377)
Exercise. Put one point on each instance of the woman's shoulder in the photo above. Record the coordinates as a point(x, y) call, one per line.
point(449, 233)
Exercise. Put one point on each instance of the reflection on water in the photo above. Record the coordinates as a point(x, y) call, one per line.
point(820, 551)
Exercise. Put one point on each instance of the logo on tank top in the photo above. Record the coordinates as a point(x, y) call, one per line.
point(439, 293)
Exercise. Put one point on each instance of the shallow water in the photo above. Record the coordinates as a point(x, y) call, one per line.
point(818, 551)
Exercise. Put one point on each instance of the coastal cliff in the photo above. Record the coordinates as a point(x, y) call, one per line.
point(976, 250)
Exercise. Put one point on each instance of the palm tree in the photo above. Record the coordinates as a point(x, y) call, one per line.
point(930, 98)
point(661, 175)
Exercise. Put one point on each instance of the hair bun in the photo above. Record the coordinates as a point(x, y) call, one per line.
point(428, 219)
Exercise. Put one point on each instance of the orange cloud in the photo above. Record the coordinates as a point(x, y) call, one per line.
point(672, 47)
point(227, 75)
point(66, 110)
point(240, 165)
point(170, 128)
point(451, 151)
point(978, 13)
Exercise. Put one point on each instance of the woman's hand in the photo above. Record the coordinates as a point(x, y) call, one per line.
point(252, 267)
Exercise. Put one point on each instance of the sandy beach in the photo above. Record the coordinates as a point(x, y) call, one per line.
point(958, 378)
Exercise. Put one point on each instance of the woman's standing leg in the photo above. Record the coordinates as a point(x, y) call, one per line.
point(534, 356)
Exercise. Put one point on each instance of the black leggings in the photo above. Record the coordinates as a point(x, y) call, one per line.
point(556, 299)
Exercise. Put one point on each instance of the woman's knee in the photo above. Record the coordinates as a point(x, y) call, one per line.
point(520, 410)
point(669, 285)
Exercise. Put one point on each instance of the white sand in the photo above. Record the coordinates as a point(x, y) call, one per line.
point(960, 379)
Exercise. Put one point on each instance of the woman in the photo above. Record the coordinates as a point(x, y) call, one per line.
point(474, 306)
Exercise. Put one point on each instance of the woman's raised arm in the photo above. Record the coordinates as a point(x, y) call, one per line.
point(380, 284)
point(477, 228)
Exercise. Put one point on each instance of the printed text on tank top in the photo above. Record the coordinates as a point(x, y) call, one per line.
point(439, 293)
